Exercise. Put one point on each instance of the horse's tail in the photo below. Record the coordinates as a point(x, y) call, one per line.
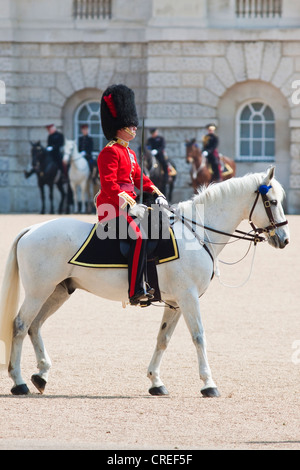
point(9, 301)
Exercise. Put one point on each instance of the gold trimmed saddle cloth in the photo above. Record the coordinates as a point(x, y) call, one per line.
point(111, 253)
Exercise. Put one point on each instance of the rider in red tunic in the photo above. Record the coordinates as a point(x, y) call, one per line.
point(119, 174)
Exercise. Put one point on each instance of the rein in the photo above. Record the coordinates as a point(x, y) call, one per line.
point(252, 237)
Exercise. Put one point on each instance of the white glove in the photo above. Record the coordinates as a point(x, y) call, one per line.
point(49, 148)
point(205, 153)
point(83, 153)
point(154, 152)
point(138, 210)
point(161, 200)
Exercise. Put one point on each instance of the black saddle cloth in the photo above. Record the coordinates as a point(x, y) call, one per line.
point(111, 253)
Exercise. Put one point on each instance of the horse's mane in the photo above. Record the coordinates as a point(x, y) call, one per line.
point(234, 186)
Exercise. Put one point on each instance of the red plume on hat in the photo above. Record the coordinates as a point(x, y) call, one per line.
point(117, 110)
point(111, 105)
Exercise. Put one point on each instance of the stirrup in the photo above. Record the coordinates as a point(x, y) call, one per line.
point(145, 303)
point(149, 290)
point(141, 295)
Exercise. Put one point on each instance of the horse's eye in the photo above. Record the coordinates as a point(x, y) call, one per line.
point(273, 202)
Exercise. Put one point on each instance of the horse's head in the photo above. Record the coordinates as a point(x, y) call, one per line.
point(193, 151)
point(147, 156)
point(70, 148)
point(267, 214)
point(37, 153)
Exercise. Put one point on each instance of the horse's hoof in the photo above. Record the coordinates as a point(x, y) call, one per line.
point(20, 390)
point(210, 392)
point(156, 391)
point(38, 382)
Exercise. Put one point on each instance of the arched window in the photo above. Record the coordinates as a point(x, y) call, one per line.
point(256, 132)
point(89, 113)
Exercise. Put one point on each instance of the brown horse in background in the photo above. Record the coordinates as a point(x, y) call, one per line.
point(201, 173)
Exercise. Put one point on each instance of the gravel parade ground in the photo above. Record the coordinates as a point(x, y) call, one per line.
point(97, 395)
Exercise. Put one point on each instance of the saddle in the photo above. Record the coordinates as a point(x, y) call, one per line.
point(112, 253)
point(226, 169)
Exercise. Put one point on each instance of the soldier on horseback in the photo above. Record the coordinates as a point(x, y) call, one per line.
point(55, 144)
point(156, 144)
point(85, 142)
point(86, 146)
point(210, 145)
point(119, 174)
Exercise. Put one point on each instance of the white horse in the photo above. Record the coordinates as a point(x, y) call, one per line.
point(78, 174)
point(49, 280)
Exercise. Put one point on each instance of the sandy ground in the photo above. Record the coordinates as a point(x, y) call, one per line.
point(97, 395)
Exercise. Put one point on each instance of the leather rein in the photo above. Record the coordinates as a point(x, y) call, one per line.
point(253, 237)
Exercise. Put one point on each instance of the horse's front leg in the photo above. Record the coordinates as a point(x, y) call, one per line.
point(60, 187)
point(51, 198)
point(168, 324)
point(83, 198)
point(75, 199)
point(190, 308)
point(42, 190)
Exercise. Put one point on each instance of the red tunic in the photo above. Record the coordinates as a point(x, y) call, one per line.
point(119, 174)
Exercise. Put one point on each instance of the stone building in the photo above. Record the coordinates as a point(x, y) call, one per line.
point(190, 62)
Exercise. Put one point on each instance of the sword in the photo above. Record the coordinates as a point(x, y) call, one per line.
point(142, 164)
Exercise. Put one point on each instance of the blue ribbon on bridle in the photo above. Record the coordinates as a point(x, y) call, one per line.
point(264, 189)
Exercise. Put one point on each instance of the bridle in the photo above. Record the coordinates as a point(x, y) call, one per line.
point(38, 152)
point(70, 154)
point(255, 237)
point(270, 229)
point(192, 154)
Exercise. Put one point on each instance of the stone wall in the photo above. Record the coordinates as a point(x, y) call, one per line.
point(178, 88)
point(40, 79)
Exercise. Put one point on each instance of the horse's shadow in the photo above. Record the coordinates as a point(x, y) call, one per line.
point(40, 396)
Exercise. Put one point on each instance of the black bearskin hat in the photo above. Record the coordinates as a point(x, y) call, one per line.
point(117, 110)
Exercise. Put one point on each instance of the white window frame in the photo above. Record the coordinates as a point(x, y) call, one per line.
point(263, 139)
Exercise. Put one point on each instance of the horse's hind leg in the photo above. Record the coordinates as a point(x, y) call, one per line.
point(61, 293)
point(167, 327)
point(27, 313)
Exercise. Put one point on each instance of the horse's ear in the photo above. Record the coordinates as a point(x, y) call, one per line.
point(270, 175)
